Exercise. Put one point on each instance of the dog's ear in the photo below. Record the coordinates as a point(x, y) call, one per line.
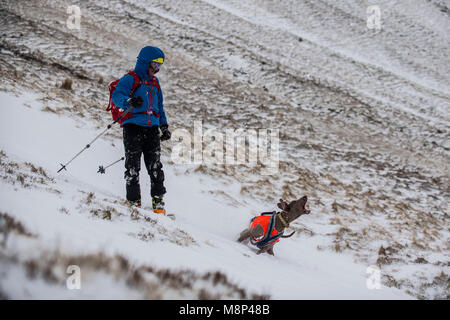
point(283, 205)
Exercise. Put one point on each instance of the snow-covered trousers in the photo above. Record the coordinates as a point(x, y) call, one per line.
point(140, 140)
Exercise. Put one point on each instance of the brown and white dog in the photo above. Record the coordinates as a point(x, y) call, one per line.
point(273, 223)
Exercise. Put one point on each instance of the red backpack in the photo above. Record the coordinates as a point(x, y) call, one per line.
point(117, 112)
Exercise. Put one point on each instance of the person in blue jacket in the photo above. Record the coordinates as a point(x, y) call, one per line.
point(141, 131)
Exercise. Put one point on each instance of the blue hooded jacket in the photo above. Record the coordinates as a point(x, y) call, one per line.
point(152, 96)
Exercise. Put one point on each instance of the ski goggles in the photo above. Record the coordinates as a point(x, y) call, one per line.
point(157, 63)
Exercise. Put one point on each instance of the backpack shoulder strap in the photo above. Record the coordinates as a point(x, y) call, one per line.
point(137, 81)
point(156, 81)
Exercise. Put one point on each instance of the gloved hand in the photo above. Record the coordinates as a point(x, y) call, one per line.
point(135, 102)
point(165, 132)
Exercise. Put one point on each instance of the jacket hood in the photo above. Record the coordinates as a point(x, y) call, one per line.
point(146, 55)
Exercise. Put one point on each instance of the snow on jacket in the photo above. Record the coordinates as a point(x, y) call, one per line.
point(151, 95)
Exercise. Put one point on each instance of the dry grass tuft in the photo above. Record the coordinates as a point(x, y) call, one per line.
point(10, 225)
point(149, 281)
point(67, 84)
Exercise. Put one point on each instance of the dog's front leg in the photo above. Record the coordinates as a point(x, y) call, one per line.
point(262, 250)
point(268, 249)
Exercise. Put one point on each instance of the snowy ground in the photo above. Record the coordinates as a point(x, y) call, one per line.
point(202, 238)
point(364, 132)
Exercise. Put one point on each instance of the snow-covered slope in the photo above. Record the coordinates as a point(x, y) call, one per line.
point(81, 213)
point(364, 132)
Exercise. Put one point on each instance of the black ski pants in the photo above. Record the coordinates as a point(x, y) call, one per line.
point(140, 140)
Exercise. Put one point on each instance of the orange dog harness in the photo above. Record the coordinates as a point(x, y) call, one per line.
point(267, 222)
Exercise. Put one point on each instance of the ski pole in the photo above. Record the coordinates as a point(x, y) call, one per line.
point(63, 166)
point(102, 169)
